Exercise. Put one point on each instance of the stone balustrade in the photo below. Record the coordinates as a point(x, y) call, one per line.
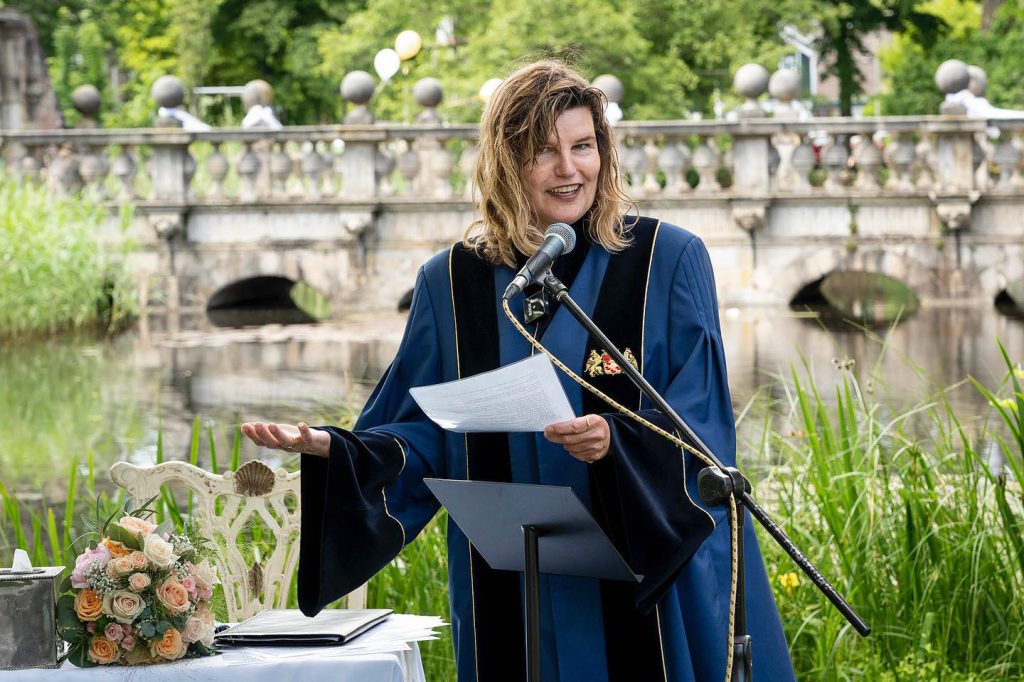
point(750, 159)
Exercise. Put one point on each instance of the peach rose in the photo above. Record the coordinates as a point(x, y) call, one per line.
point(88, 605)
point(137, 582)
point(171, 647)
point(123, 606)
point(103, 651)
point(122, 565)
point(159, 552)
point(139, 560)
point(173, 595)
point(116, 548)
point(136, 526)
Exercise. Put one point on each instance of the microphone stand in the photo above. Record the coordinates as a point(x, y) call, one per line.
point(716, 484)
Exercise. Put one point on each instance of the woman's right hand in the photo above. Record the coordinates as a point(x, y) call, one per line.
point(289, 438)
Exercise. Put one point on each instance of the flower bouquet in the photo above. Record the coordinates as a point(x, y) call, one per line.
point(139, 594)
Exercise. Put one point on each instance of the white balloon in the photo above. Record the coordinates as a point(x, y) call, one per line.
point(386, 63)
point(488, 88)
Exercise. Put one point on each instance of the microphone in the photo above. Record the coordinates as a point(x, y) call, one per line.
point(559, 239)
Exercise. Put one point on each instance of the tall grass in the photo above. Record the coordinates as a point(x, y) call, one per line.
point(54, 272)
point(917, 523)
point(916, 517)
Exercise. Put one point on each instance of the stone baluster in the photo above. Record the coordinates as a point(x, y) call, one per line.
point(467, 166)
point(869, 160)
point(335, 181)
point(409, 167)
point(217, 168)
point(62, 170)
point(1006, 156)
point(634, 162)
point(784, 87)
point(384, 167)
point(706, 161)
point(93, 171)
point(982, 153)
point(899, 155)
point(248, 168)
point(189, 168)
point(651, 186)
point(357, 165)
point(1016, 178)
point(924, 153)
point(834, 160)
point(442, 165)
point(280, 170)
point(125, 169)
point(802, 162)
point(674, 161)
point(313, 170)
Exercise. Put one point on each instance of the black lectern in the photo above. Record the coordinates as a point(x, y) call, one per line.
point(532, 528)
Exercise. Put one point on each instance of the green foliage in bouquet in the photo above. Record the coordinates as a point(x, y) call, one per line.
point(139, 593)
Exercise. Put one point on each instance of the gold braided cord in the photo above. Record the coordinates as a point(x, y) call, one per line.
point(671, 438)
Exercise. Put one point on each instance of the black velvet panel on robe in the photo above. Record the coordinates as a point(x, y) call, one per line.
point(345, 538)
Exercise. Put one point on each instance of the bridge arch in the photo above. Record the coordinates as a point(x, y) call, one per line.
point(788, 280)
point(266, 298)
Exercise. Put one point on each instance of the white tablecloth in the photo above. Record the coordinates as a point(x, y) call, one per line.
point(247, 664)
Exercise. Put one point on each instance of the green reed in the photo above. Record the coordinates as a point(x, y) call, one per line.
point(56, 273)
point(916, 520)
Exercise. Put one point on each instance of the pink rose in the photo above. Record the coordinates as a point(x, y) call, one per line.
point(136, 526)
point(85, 561)
point(113, 632)
point(128, 643)
point(205, 594)
point(173, 595)
point(137, 582)
point(189, 583)
point(90, 628)
point(194, 630)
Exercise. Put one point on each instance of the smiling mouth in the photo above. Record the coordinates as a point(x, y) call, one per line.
point(565, 191)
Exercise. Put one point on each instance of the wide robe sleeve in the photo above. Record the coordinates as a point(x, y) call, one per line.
point(644, 474)
point(367, 499)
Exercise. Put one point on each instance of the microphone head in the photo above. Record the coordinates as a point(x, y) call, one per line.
point(567, 234)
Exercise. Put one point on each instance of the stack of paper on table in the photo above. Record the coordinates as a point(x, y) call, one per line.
point(290, 627)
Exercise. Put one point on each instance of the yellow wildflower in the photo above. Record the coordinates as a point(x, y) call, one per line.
point(1018, 372)
point(1007, 403)
point(788, 581)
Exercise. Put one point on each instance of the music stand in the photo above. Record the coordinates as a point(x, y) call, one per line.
point(532, 528)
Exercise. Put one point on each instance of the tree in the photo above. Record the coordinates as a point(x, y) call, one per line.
point(843, 24)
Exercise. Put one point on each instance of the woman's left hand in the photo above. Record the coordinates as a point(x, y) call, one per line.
point(586, 438)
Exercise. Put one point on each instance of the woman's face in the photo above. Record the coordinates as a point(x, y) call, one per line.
point(562, 180)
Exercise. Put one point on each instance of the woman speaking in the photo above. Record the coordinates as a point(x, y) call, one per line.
point(547, 155)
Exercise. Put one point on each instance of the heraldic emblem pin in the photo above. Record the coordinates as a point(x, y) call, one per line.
point(602, 363)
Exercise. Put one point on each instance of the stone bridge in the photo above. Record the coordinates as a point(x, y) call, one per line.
point(353, 210)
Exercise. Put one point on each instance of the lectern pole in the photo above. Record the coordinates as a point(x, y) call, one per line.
point(532, 560)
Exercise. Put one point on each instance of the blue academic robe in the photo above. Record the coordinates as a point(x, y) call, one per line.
point(368, 499)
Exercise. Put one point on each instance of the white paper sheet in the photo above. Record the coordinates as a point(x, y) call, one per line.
point(523, 396)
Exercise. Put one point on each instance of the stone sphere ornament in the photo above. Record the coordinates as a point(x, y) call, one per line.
point(751, 80)
point(428, 92)
point(784, 85)
point(257, 92)
point(86, 100)
point(168, 91)
point(979, 80)
point(952, 76)
point(357, 87)
point(408, 44)
point(611, 86)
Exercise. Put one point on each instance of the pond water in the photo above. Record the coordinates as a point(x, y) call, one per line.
point(62, 399)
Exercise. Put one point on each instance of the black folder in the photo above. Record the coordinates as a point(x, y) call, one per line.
point(289, 627)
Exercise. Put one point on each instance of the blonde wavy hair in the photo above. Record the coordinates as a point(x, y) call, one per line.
point(517, 123)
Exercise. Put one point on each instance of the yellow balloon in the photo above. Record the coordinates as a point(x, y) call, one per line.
point(408, 44)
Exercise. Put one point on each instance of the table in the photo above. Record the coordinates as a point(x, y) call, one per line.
point(386, 653)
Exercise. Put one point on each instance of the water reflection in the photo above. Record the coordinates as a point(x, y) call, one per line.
point(60, 400)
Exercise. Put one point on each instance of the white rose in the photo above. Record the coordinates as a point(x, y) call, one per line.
point(159, 551)
point(206, 573)
point(123, 605)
